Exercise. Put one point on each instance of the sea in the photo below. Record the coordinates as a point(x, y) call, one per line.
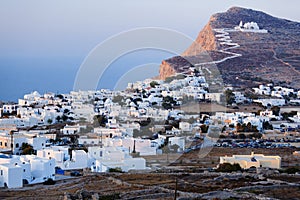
point(21, 76)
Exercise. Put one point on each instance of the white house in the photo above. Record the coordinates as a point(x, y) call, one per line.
point(143, 146)
point(70, 130)
point(77, 160)
point(184, 126)
point(180, 141)
point(105, 158)
point(9, 108)
point(270, 102)
point(89, 140)
point(109, 133)
point(41, 169)
point(59, 153)
point(253, 160)
point(16, 170)
point(35, 140)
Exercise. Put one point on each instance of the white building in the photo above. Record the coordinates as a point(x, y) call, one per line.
point(143, 146)
point(35, 140)
point(253, 160)
point(184, 126)
point(270, 102)
point(105, 158)
point(59, 153)
point(179, 141)
point(250, 27)
point(70, 130)
point(16, 170)
point(109, 133)
point(10, 108)
point(77, 160)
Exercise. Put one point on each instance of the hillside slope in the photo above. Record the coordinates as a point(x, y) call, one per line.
point(245, 57)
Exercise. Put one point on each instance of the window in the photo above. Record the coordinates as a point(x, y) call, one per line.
point(101, 153)
point(1, 172)
point(5, 144)
point(24, 170)
point(17, 145)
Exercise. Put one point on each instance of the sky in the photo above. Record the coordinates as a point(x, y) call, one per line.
point(44, 43)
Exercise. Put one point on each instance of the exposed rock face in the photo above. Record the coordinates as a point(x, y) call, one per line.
point(172, 66)
point(165, 70)
point(272, 56)
point(206, 41)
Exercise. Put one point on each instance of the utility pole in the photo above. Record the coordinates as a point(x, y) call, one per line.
point(133, 151)
point(175, 195)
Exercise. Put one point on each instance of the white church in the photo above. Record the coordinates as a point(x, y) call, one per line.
point(250, 27)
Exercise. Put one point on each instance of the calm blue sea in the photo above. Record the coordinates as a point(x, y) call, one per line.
point(20, 76)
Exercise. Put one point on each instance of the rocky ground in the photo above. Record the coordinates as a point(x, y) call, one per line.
point(189, 178)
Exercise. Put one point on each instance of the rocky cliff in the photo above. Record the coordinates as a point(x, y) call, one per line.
point(244, 57)
point(166, 70)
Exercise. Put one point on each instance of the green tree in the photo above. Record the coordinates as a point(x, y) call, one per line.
point(249, 127)
point(58, 118)
point(49, 121)
point(60, 96)
point(116, 169)
point(168, 102)
point(119, 99)
point(241, 136)
point(99, 120)
point(229, 97)
point(66, 111)
point(204, 128)
point(26, 149)
point(267, 126)
point(239, 127)
point(64, 117)
point(276, 110)
point(227, 167)
point(153, 84)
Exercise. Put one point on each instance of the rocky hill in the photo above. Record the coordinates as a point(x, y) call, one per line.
point(244, 58)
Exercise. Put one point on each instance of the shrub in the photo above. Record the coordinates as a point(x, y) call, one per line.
point(50, 181)
point(292, 170)
point(227, 167)
point(116, 169)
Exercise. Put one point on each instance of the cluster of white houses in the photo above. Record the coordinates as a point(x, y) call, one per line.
point(30, 169)
point(275, 91)
point(112, 144)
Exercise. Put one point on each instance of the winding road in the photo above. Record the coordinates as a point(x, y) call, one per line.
point(224, 38)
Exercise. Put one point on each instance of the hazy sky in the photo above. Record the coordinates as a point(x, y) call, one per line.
point(59, 34)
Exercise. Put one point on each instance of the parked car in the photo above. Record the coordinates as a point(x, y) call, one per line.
point(75, 173)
